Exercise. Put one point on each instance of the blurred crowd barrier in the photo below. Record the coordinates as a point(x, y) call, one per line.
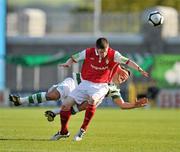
point(38, 23)
point(33, 21)
point(169, 98)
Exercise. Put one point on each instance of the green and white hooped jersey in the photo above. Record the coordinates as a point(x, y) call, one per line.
point(113, 92)
point(77, 78)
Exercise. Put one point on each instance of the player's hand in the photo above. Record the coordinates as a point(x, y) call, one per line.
point(141, 102)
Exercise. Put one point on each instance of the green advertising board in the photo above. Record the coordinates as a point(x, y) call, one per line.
point(144, 60)
point(165, 70)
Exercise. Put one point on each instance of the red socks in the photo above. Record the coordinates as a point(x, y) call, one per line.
point(90, 110)
point(64, 116)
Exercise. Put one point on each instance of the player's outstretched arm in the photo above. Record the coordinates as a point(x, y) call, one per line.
point(74, 59)
point(132, 64)
point(130, 105)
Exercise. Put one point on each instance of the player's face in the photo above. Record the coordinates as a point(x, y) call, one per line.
point(119, 78)
point(102, 52)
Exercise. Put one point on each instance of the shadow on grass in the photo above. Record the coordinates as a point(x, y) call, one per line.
point(16, 139)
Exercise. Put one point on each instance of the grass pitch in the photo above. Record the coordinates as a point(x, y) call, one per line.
point(111, 130)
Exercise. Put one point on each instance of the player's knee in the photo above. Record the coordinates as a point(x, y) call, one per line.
point(93, 102)
point(65, 108)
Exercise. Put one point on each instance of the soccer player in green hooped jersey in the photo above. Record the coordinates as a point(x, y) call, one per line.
point(114, 93)
point(61, 91)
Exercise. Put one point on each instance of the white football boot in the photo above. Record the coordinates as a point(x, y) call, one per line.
point(58, 136)
point(79, 135)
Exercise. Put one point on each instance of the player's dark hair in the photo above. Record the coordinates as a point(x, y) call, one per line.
point(102, 43)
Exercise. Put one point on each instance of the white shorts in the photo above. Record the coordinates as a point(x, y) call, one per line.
point(65, 87)
point(89, 91)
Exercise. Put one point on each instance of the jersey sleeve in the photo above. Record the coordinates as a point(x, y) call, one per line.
point(113, 92)
point(119, 58)
point(79, 56)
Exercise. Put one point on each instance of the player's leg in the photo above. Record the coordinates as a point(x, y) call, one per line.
point(96, 94)
point(66, 110)
point(78, 95)
point(65, 88)
point(65, 114)
point(56, 92)
point(90, 111)
point(34, 98)
point(52, 94)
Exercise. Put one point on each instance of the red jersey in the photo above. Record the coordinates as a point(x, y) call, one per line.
point(96, 70)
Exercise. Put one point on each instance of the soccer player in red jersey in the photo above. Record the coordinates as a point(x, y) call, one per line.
point(95, 72)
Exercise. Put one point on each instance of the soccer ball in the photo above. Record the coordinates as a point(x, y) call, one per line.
point(155, 18)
